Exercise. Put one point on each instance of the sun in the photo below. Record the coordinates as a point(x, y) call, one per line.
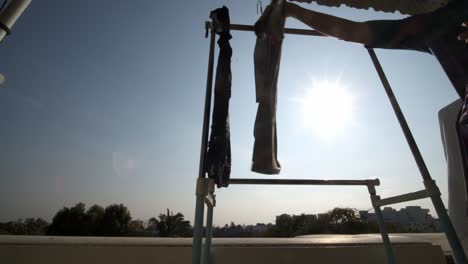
point(327, 107)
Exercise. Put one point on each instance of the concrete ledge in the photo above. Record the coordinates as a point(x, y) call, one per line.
point(305, 241)
point(426, 254)
point(94, 255)
point(327, 249)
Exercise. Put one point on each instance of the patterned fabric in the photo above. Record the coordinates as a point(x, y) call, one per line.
point(464, 112)
point(462, 129)
point(218, 159)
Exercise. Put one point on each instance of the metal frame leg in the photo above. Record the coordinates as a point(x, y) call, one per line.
point(446, 224)
point(201, 191)
point(383, 230)
point(429, 183)
point(198, 229)
point(208, 234)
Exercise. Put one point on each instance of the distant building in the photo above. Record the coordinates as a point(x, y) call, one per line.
point(322, 216)
point(411, 218)
point(259, 228)
point(364, 215)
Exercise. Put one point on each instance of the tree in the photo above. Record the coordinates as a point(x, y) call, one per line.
point(30, 227)
point(342, 215)
point(345, 221)
point(115, 221)
point(94, 216)
point(136, 228)
point(153, 226)
point(13, 228)
point(69, 222)
point(35, 227)
point(170, 225)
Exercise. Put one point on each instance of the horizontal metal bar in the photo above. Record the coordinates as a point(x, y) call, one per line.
point(402, 198)
point(372, 182)
point(293, 31)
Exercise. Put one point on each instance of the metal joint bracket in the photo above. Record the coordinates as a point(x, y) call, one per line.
point(431, 188)
point(210, 200)
point(373, 196)
point(375, 200)
point(208, 27)
point(202, 186)
point(371, 189)
point(211, 186)
point(5, 28)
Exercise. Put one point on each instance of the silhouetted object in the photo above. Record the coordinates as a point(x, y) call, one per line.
point(96, 221)
point(69, 222)
point(36, 227)
point(218, 161)
point(10, 11)
point(336, 221)
point(267, 55)
point(94, 216)
point(170, 225)
point(435, 33)
point(152, 226)
point(136, 228)
point(29, 227)
point(115, 221)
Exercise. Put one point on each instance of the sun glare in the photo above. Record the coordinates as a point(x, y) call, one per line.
point(327, 107)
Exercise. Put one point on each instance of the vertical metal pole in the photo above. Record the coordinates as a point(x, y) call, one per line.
point(385, 238)
point(200, 200)
point(452, 237)
point(208, 234)
point(11, 11)
point(207, 111)
point(382, 228)
point(198, 230)
point(431, 187)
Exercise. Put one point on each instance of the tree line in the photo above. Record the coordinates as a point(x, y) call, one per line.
point(116, 220)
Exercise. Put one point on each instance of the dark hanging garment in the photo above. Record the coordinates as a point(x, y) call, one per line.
point(269, 30)
point(463, 140)
point(218, 160)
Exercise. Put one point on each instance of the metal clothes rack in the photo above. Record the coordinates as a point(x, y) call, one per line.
point(205, 190)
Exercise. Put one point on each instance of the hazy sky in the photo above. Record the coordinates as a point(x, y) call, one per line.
point(103, 101)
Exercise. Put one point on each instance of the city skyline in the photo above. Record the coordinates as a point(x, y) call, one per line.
point(389, 214)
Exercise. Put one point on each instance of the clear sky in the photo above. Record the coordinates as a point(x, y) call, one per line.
point(103, 101)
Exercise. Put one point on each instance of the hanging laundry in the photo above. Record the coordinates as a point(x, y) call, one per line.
point(269, 30)
point(218, 159)
point(462, 128)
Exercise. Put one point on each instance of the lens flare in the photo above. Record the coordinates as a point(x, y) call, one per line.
point(327, 107)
